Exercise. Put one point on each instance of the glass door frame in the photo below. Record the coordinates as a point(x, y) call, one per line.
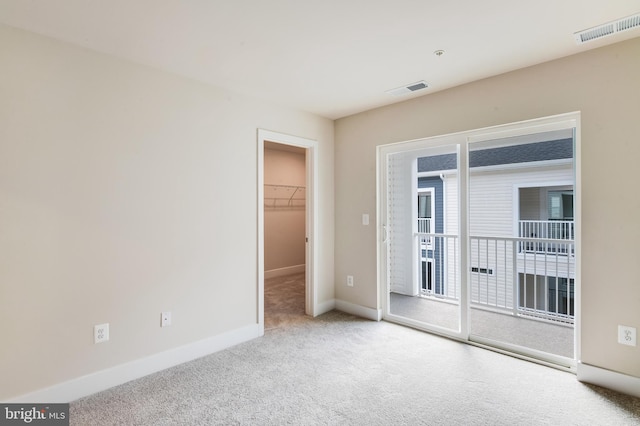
point(451, 143)
point(462, 140)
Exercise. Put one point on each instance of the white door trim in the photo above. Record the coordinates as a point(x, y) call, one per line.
point(312, 251)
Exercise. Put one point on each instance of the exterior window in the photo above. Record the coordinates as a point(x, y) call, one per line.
point(562, 291)
point(425, 212)
point(427, 276)
point(428, 252)
point(479, 270)
point(560, 205)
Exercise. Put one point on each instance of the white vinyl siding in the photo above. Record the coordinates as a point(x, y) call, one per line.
point(491, 196)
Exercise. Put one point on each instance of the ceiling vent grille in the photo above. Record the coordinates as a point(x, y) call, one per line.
point(409, 88)
point(608, 29)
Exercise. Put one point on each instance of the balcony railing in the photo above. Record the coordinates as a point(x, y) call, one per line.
point(425, 226)
point(536, 230)
point(438, 273)
point(531, 277)
point(525, 276)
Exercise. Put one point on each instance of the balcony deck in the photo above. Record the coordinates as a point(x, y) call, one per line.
point(544, 336)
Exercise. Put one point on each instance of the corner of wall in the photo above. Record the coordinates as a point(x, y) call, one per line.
point(609, 379)
point(359, 310)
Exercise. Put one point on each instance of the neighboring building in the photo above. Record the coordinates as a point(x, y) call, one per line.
point(521, 225)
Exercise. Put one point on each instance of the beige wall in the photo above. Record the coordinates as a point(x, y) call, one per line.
point(603, 84)
point(124, 192)
point(284, 226)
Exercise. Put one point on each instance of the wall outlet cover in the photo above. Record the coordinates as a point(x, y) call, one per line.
point(350, 280)
point(101, 333)
point(627, 335)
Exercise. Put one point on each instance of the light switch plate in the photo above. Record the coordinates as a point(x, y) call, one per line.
point(165, 319)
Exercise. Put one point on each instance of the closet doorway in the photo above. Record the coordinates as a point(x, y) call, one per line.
point(285, 234)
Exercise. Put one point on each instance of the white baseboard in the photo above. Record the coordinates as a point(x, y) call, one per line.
point(324, 307)
point(296, 269)
point(359, 310)
point(86, 385)
point(609, 379)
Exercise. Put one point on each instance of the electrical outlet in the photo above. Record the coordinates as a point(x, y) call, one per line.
point(100, 333)
point(165, 319)
point(349, 280)
point(626, 335)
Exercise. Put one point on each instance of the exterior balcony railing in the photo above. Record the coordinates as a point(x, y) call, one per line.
point(438, 273)
point(562, 230)
point(531, 277)
point(425, 226)
point(527, 277)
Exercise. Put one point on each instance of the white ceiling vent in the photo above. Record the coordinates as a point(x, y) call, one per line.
point(610, 28)
point(413, 87)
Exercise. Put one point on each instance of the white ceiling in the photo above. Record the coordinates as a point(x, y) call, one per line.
point(329, 57)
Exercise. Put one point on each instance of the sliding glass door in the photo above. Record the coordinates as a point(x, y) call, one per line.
point(478, 236)
point(522, 242)
point(422, 241)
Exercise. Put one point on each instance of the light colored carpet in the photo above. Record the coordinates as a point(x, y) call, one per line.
point(341, 370)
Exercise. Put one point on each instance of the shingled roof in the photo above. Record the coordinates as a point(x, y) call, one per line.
point(513, 154)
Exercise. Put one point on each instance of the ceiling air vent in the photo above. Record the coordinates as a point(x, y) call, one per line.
point(413, 87)
point(624, 24)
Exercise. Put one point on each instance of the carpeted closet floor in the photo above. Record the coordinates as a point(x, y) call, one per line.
point(283, 301)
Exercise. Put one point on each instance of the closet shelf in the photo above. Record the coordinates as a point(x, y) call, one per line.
point(284, 196)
